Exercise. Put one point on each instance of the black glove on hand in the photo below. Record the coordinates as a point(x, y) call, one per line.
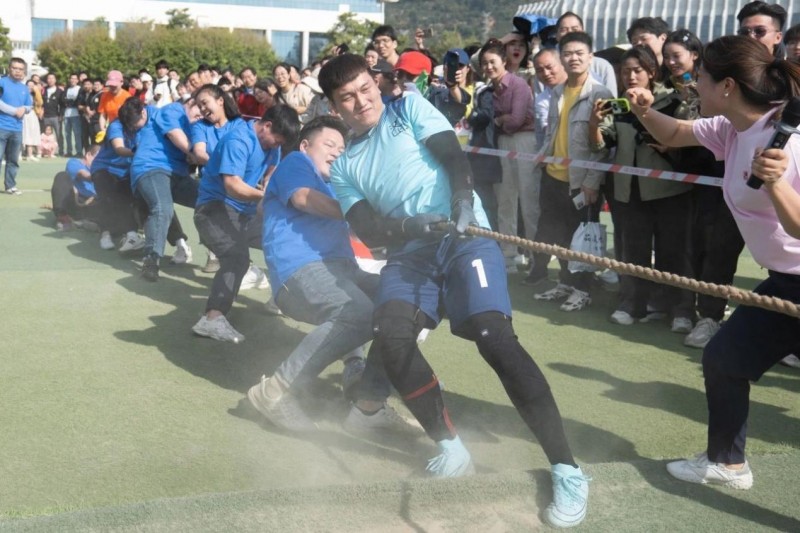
point(420, 226)
point(462, 214)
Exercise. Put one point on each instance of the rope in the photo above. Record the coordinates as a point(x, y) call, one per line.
point(728, 292)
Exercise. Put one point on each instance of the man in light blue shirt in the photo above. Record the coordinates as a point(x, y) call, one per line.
point(15, 101)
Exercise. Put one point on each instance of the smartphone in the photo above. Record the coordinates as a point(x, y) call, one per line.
point(618, 106)
point(579, 200)
point(451, 64)
point(427, 33)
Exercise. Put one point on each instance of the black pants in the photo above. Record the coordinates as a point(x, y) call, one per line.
point(225, 232)
point(116, 203)
point(666, 224)
point(716, 243)
point(749, 343)
point(557, 222)
point(63, 195)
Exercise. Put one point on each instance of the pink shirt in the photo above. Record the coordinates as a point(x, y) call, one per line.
point(755, 215)
point(513, 97)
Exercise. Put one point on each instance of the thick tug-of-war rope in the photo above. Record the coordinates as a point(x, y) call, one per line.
point(729, 292)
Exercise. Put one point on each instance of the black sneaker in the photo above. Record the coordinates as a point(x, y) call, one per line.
point(533, 279)
point(150, 268)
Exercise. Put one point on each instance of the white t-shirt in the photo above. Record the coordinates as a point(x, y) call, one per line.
point(754, 212)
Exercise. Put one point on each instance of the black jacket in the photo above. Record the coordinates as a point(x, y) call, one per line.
point(54, 104)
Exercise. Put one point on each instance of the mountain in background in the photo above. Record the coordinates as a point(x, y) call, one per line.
point(473, 20)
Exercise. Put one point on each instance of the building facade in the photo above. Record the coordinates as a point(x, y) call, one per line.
point(607, 20)
point(294, 28)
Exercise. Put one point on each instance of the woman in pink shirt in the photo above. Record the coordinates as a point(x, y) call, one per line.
point(743, 87)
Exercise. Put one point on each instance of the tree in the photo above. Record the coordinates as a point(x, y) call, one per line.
point(140, 45)
point(5, 42)
point(350, 31)
point(180, 19)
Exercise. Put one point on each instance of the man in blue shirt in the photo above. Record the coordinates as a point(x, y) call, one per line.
point(74, 195)
point(15, 101)
point(230, 190)
point(402, 175)
point(317, 280)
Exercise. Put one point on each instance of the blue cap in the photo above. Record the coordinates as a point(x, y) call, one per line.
point(463, 58)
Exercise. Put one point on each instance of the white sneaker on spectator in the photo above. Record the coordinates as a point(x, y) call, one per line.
point(700, 470)
point(254, 278)
point(653, 314)
point(183, 253)
point(681, 324)
point(132, 241)
point(218, 329)
point(622, 318)
point(702, 333)
point(105, 241)
point(385, 419)
point(791, 360)
point(576, 301)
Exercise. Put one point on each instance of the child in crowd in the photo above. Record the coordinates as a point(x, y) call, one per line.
point(49, 144)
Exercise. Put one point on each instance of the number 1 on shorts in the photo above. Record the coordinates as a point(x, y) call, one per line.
point(477, 264)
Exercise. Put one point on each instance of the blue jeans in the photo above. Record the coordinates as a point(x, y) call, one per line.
point(159, 189)
point(336, 296)
point(73, 127)
point(10, 146)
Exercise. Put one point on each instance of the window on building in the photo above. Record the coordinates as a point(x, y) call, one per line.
point(78, 24)
point(288, 45)
point(358, 6)
point(44, 28)
point(316, 42)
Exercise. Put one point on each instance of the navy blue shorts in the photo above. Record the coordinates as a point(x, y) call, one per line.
point(467, 276)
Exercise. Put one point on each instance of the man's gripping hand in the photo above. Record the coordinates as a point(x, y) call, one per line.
point(461, 211)
point(422, 226)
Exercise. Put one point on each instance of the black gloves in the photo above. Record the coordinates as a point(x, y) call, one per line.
point(420, 226)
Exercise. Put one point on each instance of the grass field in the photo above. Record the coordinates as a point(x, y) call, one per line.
point(115, 418)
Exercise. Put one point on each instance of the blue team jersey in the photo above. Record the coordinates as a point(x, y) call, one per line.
point(391, 168)
point(293, 238)
point(85, 187)
point(107, 158)
point(154, 151)
point(14, 93)
point(205, 132)
point(239, 153)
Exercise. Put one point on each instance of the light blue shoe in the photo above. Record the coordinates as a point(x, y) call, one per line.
point(570, 496)
point(453, 461)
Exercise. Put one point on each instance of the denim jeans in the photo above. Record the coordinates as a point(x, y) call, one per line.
point(336, 296)
point(159, 189)
point(10, 146)
point(73, 128)
point(224, 231)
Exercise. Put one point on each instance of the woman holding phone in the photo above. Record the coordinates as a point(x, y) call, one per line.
point(743, 88)
point(648, 210)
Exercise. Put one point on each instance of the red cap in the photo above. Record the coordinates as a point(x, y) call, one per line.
point(414, 63)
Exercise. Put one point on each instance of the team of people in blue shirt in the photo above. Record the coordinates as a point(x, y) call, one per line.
point(399, 181)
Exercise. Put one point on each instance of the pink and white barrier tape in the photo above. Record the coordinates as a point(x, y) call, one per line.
point(636, 171)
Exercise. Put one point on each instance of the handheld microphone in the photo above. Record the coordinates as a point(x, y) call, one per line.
point(784, 129)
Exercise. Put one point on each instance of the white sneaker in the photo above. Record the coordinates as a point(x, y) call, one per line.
point(105, 241)
point(218, 329)
point(521, 260)
point(132, 241)
point(254, 278)
point(622, 318)
point(284, 411)
point(609, 277)
point(385, 419)
point(576, 301)
point(559, 292)
point(14, 191)
point(700, 470)
point(681, 325)
point(791, 360)
point(702, 333)
point(183, 254)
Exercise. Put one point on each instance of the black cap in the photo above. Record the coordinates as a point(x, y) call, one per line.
point(382, 67)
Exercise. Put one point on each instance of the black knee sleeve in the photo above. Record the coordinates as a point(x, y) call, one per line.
point(396, 325)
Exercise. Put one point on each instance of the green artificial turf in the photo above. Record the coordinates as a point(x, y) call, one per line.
point(115, 418)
